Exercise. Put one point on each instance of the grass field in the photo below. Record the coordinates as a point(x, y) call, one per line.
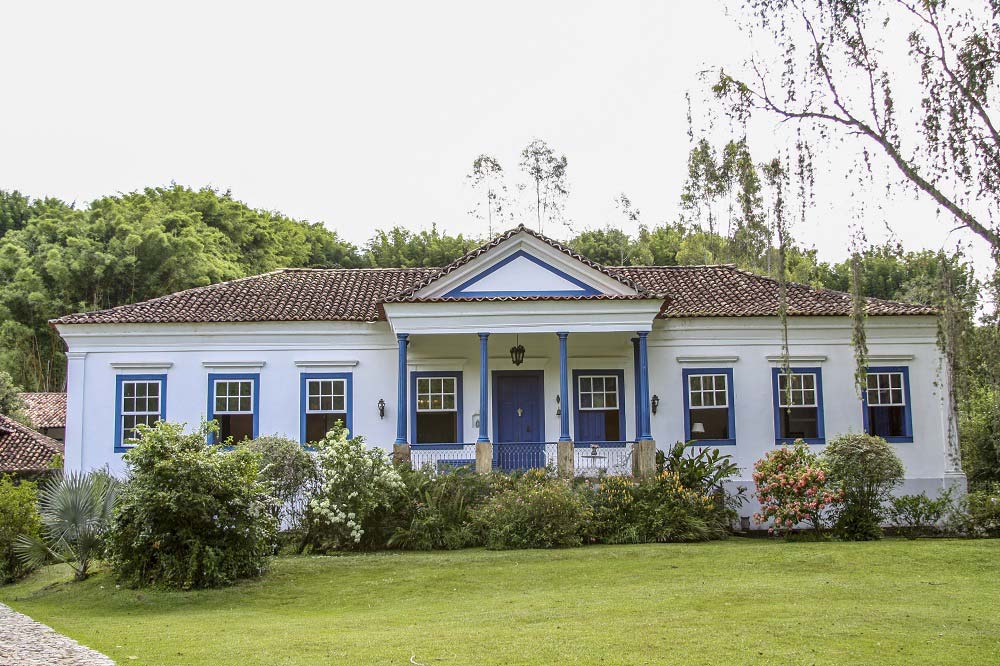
point(733, 602)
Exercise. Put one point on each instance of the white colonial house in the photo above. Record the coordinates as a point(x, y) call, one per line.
point(521, 353)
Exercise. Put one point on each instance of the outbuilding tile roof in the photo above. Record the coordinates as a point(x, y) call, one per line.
point(22, 450)
point(46, 410)
point(358, 294)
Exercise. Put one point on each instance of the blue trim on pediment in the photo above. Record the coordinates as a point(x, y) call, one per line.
point(461, 290)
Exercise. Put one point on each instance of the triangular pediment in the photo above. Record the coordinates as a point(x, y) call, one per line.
point(522, 274)
point(523, 264)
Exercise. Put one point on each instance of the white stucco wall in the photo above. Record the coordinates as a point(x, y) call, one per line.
point(369, 351)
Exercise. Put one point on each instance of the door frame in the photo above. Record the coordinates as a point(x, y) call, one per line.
point(497, 374)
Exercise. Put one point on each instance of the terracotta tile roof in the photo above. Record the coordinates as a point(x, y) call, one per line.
point(24, 450)
point(291, 294)
point(499, 240)
point(726, 291)
point(357, 295)
point(46, 410)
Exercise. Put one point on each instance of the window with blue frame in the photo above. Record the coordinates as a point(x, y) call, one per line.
point(326, 401)
point(798, 405)
point(886, 403)
point(140, 400)
point(437, 407)
point(600, 405)
point(710, 416)
point(233, 403)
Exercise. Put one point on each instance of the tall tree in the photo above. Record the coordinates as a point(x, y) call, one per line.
point(402, 248)
point(915, 80)
point(546, 174)
point(726, 186)
point(488, 183)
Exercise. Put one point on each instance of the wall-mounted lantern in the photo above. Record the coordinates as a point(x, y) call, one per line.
point(655, 402)
point(558, 406)
point(381, 408)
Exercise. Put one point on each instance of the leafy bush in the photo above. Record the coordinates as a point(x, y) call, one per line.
point(660, 509)
point(792, 488)
point(191, 515)
point(532, 511)
point(288, 473)
point(356, 485)
point(441, 512)
point(979, 514)
point(919, 515)
point(18, 517)
point(864, 469)
point(76, 512)
point(699, 468)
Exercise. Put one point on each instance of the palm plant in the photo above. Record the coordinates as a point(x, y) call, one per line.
point(76, 511)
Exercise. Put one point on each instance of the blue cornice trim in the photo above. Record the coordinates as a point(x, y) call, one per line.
point(255, 378)
point(120, 446)
point(620, 375)
point(907, 410)
point(731, 396)
point(820, 422)
point(303, 400)
point(460, 291)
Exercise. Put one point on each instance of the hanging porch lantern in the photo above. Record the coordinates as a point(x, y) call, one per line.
point(517, 352)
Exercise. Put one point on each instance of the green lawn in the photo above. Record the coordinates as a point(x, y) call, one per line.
point(734, 602)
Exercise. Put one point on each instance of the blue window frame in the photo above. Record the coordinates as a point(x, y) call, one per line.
point(598, 406)
point(709, 406)
point(234, 402)
point(139, 399)
point(324, 399)
point(798, 405)
point(886, 404)
point(436, 407)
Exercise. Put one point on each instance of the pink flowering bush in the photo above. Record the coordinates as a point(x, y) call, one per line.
point(792, 488)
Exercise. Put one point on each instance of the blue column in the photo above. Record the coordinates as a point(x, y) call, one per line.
point(401, 405)
point(484, 393)
point(563, 390)
point(644, 433)
point(637, 388)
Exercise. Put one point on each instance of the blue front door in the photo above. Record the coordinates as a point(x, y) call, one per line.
point(519, 425)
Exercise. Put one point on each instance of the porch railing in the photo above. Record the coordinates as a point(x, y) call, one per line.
point(611, 458)
point(442, 457)
point(595, 458)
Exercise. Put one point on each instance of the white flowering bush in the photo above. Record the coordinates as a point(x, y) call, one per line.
point(356, 484)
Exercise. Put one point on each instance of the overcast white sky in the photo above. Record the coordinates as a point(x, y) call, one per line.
point(368, 115)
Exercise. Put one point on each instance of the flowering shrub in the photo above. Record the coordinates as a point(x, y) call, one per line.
point(532, 511)
point(356, 483)
point(792, 488)
point(190, 515)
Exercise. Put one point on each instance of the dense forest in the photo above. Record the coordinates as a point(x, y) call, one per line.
point(56, 258)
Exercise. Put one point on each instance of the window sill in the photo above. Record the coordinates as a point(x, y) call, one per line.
point(812, 441)
point(123, 449)
point(898, 440)
point(712, 442)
